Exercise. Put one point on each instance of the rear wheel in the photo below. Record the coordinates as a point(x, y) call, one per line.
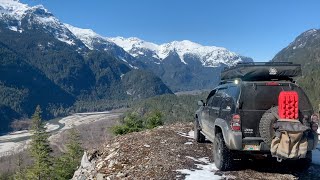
point(266, 125)
point(198, 136)
point(222, 156)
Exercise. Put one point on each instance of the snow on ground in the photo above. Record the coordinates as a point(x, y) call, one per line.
point(204, 170)
point(190, 134)
point(189, 142)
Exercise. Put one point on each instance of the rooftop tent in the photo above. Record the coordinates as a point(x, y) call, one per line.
point(262, 71)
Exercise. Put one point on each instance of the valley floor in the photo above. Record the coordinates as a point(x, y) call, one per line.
point(18, 141)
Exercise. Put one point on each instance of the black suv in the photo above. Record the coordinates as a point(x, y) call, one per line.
point(238, 115)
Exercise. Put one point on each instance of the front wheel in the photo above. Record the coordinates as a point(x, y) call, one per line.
point(222, 156)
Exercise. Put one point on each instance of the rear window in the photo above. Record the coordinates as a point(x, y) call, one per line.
point(259, 96)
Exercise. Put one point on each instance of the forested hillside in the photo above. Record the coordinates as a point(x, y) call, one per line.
point(174, 108)
point(305, 50)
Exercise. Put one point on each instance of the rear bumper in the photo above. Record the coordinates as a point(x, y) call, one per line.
point(312, 139)
point(234, 140)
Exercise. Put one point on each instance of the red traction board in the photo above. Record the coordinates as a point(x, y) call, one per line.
point(288, 105)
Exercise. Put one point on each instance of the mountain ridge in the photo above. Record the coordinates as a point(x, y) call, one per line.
point(305, 50)
point(43, 62)
point(182, 65)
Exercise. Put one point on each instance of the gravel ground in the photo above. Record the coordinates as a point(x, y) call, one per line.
point(169, 152)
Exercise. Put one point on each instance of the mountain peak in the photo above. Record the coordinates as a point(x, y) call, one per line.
point(80, 31)
point(307, 37)
point(12, 13)
point(133, 43)
point(13, 8)
point(87, 36)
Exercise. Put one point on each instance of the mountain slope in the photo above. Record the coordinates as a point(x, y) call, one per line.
point(305, 50)
point(43, 62)
point(23, 87)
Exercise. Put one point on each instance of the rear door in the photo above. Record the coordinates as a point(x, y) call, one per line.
point(211, 112)
point(229, 102)
point(205, 113)
point(256, 99)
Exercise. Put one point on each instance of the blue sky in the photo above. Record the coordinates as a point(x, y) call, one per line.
point(258, 29)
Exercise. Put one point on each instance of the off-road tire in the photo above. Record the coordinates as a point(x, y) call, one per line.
point(222, 156)
point(266, 125)
point(198, 136)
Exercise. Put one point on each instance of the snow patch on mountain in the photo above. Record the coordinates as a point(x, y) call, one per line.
point(95, 41)
point(130, 43)
point(13, 8)
point(12, 12)
point(87, 36)
point(210, 56)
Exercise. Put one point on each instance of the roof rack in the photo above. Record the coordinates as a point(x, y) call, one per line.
point(261, 71)
point(261, 64)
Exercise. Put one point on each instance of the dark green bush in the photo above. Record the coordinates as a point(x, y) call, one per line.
point(135, 123)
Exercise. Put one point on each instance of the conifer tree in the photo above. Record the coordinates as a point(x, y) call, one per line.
point(39, 149)
point(68, 163)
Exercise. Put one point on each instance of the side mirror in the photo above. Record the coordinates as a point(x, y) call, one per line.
point(200, 103)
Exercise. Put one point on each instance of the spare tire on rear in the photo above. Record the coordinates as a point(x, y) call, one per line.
point(266, 129)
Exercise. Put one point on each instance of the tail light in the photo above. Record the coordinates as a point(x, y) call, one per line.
point(235, 122)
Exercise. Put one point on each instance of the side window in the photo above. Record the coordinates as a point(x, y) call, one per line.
point(229, 98)
point(227, 103)
point(234, 92)
point(216, 101)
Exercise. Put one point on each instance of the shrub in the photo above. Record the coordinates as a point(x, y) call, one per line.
point(135, 123)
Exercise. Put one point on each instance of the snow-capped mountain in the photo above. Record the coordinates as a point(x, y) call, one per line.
point(183, 65)
point(89, 37)
point(95, 41)
point(209, 56)
point(305, 38)
point(19, 17)
point(43, 63)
